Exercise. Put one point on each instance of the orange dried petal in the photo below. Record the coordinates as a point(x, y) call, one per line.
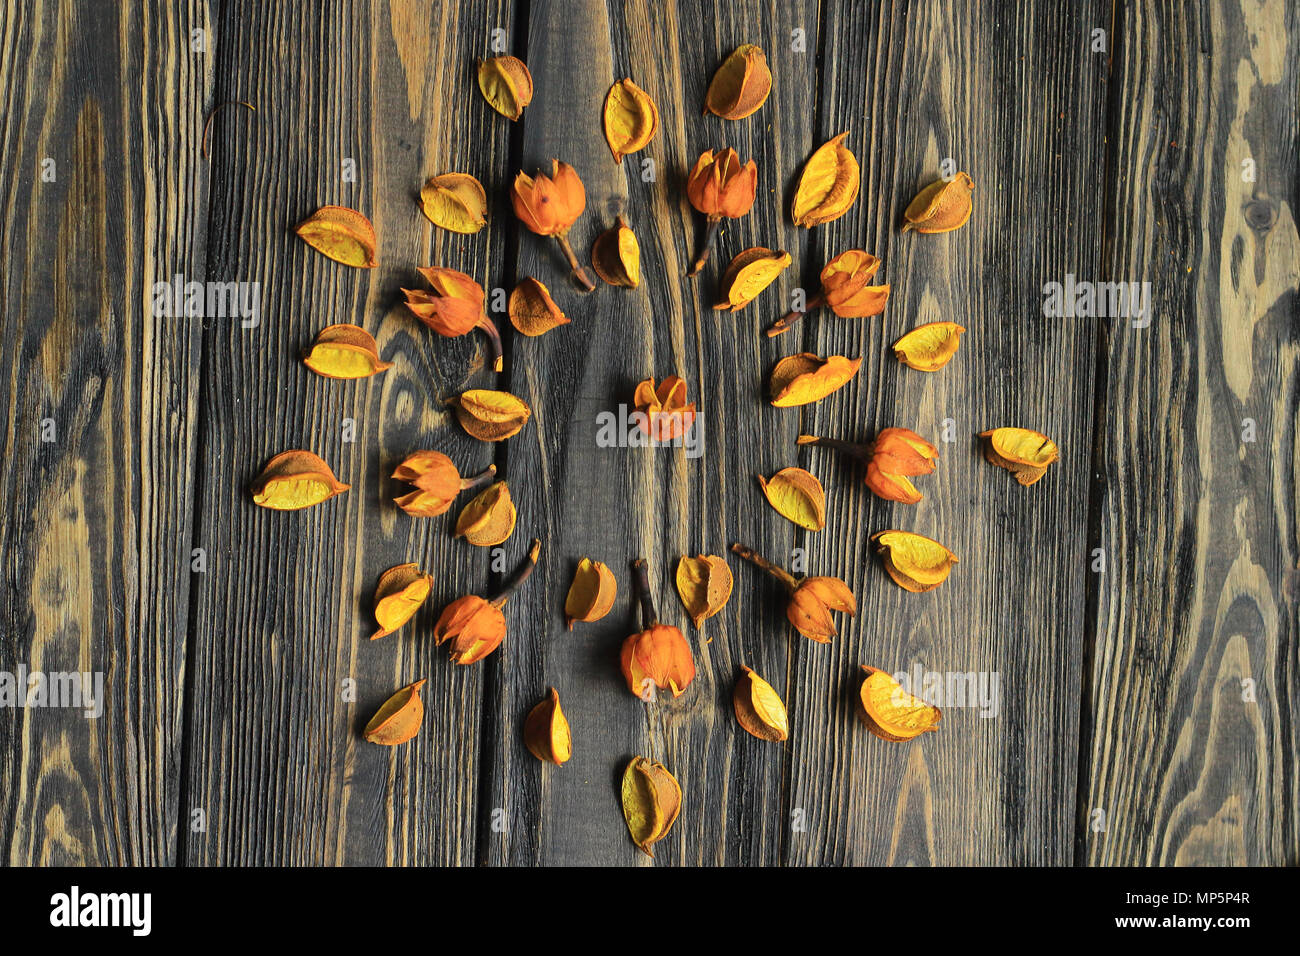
point(631, 119)
point(828, 186)
point(489, 517)
point(805, 378)
point(915, 562)
point(342, 234)
point(456, 202)
point(941, 206)
point(399, 719)
point(345, 352)
point(398, 595)
point(797, 496)
point(532, 310)
point(295, 479)
point(741, 84)
point(929, 347)
point(591, 594)
point(890, 712)
point(704, 584)
point(759, 709)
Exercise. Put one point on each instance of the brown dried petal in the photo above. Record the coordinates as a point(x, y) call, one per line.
point(489, 517)
point(532, 310)
point(398, 720)
point(741, 85)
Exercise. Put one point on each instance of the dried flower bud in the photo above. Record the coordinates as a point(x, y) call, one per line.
point(506, 84)
point(828, 186)
point(631, 119)
point(546, 731)
point(811, 599)
point(805, 378)
point(295, 479)
point(489, 518)
point(454, 308)
point(797, 496)
point(704, 585)
point(720, 187)
point(845, 289)
point(759, 708)
point(915, 562)
point(490, 415)
point(741, 85)
point(345, 351)
point(532, 310)
point(399, 719)
point(890, 712)
point(651, 798)
point(437, 483)
point(456, 202)
point(549, 206)
point(1024, 453)
point(657, 656)
point(591, 594)
point(343, 234)
point(616, 256)
point(749, 274)
point(664, 413)
point(896, 455)
point(941, 206)
point(929, 347)
point(474, 626)
point(399, 594)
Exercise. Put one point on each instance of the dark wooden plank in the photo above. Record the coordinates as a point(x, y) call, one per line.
point(1197, 521)
point(275, 754)
point(1015, 98)
point(614, 504)
point(101, 405)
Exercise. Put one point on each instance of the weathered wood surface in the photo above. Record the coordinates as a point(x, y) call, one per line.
point(231, 731)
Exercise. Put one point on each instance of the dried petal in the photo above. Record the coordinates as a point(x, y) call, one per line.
point(399, 594)
point(741, 85)
point(797, 496)
point(506, 85)
point(749, 274)
point(941, 206)
point(651, 798)
point(345, 351)
point(658, 656)
point(929, 347)
point(664, 413)
point(896, 455)
point(631, 119)
point(1024, 453)
point(890, 712)
point(915, 562)
point(532, 310)
point(343, 234)
point(828, 186)
point(474, 626)
point(616, 256)
point(805, 378)
point(398, 720)
point(455, 201)
point(845, 288)
point(811, 603)
point(720, 186)
point(759, 708)
point(546, 731)
point(490, 415)
point(591, 594)
point(489, 517)
point(704, 585)
point(295, 479)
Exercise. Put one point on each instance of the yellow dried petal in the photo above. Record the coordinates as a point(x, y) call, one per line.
point(651, 800)
point(295, 479)
point(591, 594)
point(805, 378)
point(749, 274)
point(489, 518)
point(828, 186)
point(915, 562)
point(532, 310)
point(631, 119)
point(890, 712)
point(398, 720)
point(345, 351)
point(616, 256)
point(399, 594)
point(343, 234)
point(506, 84)
point(797, 496)
point(704, 585)
point(546, 731)
point(929, 347)
point(759, 708)
point(455, 201)
point(490, 415)
point(1023, 452)
point(741, 85)
point(941, 206)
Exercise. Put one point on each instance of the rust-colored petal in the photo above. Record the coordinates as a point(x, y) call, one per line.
point(828, 186)
point(805, 378)
point(473, 626)
point(720, 185)
point(489, 517)
point(704, 584)
point(399, 719)
point(456, 202)
point(506, 84)
point(797, 496)
point(941, 206)
point(890, 712)
point(659, 655)
point(436, 481)
point(591, 594)
point(929, 347)
point(295, 479)
point(532, 310)
point(346, 352)
point(749, 274)
point(846, 288)
point(399, 594)
point(1021, 451)
point(631, 119)
point(341, 233)
point(759, 708)
point(915, 562)
point(741, 85)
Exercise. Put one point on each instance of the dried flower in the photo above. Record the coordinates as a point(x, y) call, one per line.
point(651, 798)
point(704, 585)
point(436, 481)
point(506, 84)
point(896, 455)
point(591, 594)
point(1024, 453)
point(741, 85)
point(345, 351)
point(546, 731)
point(456, 202)
point(941, 206)
point(720, 187)
point(805, 378)
point(797, 496)
point(490, 415)
point(489, 518)
point(657, 656)
point(399, 594)
point(549, 206)
point(631, 119)
point(828, 186)
point(844, 289)
point(295, 479)
point(915, 562)
point(532, 310)
point(890, 712)
point(749, 274)
point(454, 308)
point(343, 234)
point(928, 348)
point(616, 256)
point(759, 708)
point(474, 625)
point(811, 599)
point(399, 719)
point(664, 414)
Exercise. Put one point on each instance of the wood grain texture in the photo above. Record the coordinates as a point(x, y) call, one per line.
point(1198, 521)
point(101, 408)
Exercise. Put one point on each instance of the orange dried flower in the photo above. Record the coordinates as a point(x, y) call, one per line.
point(941, 206)
point(664, 413)
point(475, 626)
point(657, 656)
point(436, 481)
point(720, 187)
point(454, 307)
point(811, 599)
point(845, 288)
point(549, 206)
point(896, 455)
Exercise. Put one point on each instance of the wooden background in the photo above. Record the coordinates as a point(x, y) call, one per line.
point(1124, 735)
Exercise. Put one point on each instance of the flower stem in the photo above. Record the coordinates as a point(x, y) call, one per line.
point(520, 575)
point(709, 237)
point(781, 574)
point(641, 588)
point(584, 281)
point(479, 480)
point(494, 336)
point(787, 321)
point(852, 448)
